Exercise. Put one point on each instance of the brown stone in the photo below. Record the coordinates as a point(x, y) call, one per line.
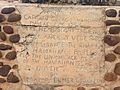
point(111, 40)
point(80, 88)
point(94, 89)
point(110, 57)
point(114, 30)
point(1, 89)
point(110, 77)
point(14, 18)
point(5, 47)
point(14, 38)
point(8, 29)
point(7, 10)
point(3, 36)
point(1, 54)
point(112, 22)
point(2, 18)
point(4, 70)
point(2, 80)
point(15, 66)
point(1, 63)
point(117, 88)
point(111, 13)
point(11, 78)
point(117, 50)
point(117, 69)
point(11, 55)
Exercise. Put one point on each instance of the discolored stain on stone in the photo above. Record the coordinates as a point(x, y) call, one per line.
point(111, 13)
point(114, 30)
point(2, 18)
point(112, 22)
point(7, 10)
point(11, 55)
point(14, 38)
point(8, 29)
point(1, 63)
point(117, 88)
point(5, 47)
point(117, 69)
point(15, 66)
point(81, 88)
point(110, 77)
point(4, 70)
point(110, 57)
point(2, 80)
point(1, 54)
point(3, 36)
point(11, 78)
point(111, 40)
point(14, 18)
point(117, 50)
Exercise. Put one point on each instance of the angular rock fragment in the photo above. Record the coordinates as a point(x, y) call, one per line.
point(81, 88)
point(3, 36)
point(8, 29)
point(110, 57)
point(14, 38)
point(111, 13)
point(11, 55)
point(117, 88)
point(110, 77)
point(112, 22)
point(4, 70)
point(2, 80)
point(1, 54)
point(114, 30)
point(14, 18)
point(7, 10)
point(11, 78)
point(117, 69)
point(111, 40)
point(117, 50)
point(5, 47)
point(2, 18)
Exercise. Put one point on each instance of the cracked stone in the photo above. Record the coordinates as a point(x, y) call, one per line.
point(110, 57)
point(11, 55)
point(114, 30)
point(2, 80)
point(14, 18)
point(111, 13)
point(117, 50)
point(80, 88)
point(117, 88)
point(5, 47)
point(1, 54)
point(11, 78)
point(2, 18)
point(117, 69)
point(4, 70)
point(110, 77)
point(7, 10)
point(15, 66)
point(112, 22)
point(8, 29)
point(14, 38)
point(111, 40)
point(3, 36)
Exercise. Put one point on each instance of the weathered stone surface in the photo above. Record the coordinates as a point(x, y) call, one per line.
point(95, 89)
point(111, 13)
point(1, 63)
point(8, 29)
point(14, 18)
point(7, 10)
point(110, 77)
point(1, 54)
point(3, 36)
point(110, 57)
point(2, 80)
point(11, 55)
point(5, 47)
point(112, 22)
point(117, 69)
point(2, 18)
point(14, 38)
point(4, 70)
point(81, 88)
point(114, 30)
point(11, 78)
point(15, 66)
point(117, 50)
point(117, 88)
